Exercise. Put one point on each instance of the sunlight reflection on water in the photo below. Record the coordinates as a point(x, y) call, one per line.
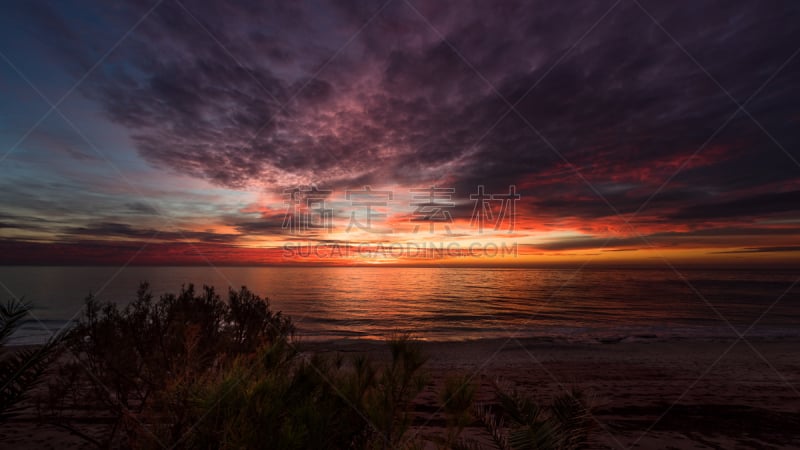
point(450, 303)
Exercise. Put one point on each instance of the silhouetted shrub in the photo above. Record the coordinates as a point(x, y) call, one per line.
point(128, 360)
point(190, 370)
point(286, 401)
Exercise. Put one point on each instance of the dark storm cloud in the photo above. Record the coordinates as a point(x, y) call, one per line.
point(582, 243)
point(281, 103)
point(113, 229)
point(757, 205)
point(729, 231)
point(11, 221)
point(644, 240)
point(142, 208)
point(790, 248)
point(259, 226)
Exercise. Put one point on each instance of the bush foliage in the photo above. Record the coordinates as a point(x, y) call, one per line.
point(191, 370)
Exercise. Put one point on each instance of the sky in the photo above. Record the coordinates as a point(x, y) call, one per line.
point(400, 132)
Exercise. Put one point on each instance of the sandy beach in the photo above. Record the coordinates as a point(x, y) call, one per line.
point(679, 394)
point(687, 394)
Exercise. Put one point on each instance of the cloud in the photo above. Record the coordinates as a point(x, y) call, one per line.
point(141, 208)
point(299, 94)
point(121, 230)
point(789, 248)
point(399, 103)
point(756, 205)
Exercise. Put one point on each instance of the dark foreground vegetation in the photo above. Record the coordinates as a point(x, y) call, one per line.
point(191, 370)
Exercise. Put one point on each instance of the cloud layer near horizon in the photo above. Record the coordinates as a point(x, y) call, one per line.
point(611, 101)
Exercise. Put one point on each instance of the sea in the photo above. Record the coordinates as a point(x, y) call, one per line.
point(590, 305)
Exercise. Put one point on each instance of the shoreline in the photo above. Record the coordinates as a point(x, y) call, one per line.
point(356, 342)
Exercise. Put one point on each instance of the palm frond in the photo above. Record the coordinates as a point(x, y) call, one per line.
point(12, 314)
point(564, 423)
point(571, 411)
point(22, 369)
point(493, 424)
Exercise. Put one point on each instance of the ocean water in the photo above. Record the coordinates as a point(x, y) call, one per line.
point(450, 304)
